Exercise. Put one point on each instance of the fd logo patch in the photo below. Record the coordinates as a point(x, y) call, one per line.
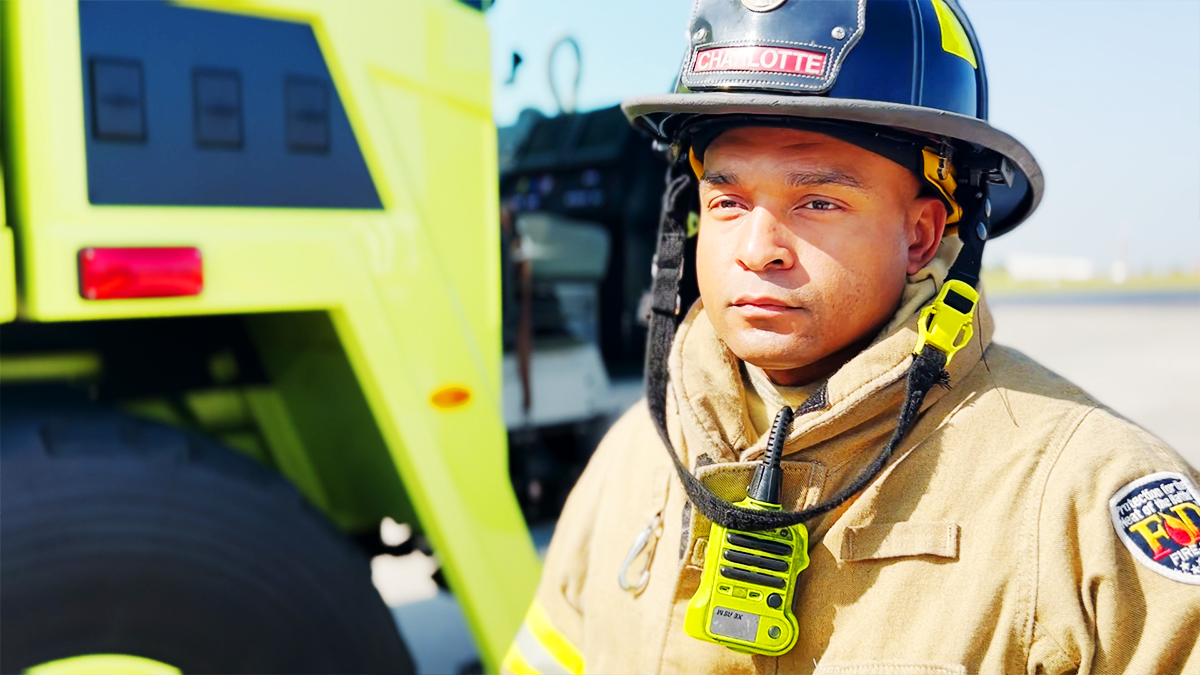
point(1158, 519)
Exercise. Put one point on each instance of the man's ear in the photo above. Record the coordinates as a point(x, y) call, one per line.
point(927, 225)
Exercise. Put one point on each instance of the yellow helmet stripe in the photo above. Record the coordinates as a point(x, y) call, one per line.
point(954, 38)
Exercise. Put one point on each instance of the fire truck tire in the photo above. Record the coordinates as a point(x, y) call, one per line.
point(123, 536)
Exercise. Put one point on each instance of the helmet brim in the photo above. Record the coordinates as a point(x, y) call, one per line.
point(1010, 205)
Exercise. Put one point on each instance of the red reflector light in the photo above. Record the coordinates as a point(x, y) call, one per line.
point(111, 273)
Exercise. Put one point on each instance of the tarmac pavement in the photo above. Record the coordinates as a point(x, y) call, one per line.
point(1142, 359)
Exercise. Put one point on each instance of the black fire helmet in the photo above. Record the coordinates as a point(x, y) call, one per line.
point(907, 69)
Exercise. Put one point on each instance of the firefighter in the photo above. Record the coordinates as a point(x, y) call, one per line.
point(943, 504)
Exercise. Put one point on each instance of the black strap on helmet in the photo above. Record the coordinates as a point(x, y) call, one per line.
point(927, 369)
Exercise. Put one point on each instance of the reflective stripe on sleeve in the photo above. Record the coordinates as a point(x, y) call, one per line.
point(553, 641)
point(515, 663)
point(539, 649)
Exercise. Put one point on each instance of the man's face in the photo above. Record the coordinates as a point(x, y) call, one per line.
point(804, 244)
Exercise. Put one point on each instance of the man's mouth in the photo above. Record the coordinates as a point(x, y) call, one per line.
point(762, 306)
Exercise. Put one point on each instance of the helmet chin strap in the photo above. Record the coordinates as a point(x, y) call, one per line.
point(945, 327)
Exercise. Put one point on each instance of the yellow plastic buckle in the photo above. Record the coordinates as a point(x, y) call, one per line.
point(947, 322)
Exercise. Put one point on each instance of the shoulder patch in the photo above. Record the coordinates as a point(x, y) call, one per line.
point(1158, 519)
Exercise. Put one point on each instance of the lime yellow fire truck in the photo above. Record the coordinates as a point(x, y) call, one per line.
point(249, 286)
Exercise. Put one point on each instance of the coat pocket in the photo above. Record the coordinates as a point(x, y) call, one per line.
point(891, 669)
point(899, 540)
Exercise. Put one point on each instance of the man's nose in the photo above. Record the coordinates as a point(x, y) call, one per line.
point(763, 244)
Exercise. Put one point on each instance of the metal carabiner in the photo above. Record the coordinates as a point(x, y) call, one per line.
point(645, 542)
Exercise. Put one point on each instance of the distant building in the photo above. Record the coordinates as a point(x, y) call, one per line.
point(1035, 267)
point(1120, 272)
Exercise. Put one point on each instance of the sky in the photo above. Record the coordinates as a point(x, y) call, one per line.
point(1105, 93)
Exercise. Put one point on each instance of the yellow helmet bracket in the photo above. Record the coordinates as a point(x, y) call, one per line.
point(939, 172)
point(696, 164)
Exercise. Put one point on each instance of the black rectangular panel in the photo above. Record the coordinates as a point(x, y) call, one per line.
point(739, 574)
point(193, 107)
point(218, 109)
point(765, 545)
point(307, 115)
point(118, 104)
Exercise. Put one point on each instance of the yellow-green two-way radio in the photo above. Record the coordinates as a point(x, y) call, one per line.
point(745, 597)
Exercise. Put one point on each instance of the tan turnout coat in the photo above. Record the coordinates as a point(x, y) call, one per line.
point(985, 546)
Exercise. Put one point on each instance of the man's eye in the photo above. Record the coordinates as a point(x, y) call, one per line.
point(820, 205)
point(726, 204)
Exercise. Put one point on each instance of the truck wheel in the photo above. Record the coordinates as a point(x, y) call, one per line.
point(122, 536)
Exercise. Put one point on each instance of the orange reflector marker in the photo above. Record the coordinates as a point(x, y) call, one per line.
point(112, 273)
point(450, 397)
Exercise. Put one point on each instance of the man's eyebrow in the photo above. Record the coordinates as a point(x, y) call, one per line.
point(816, 177)
point(807, 178)
point(718, 178)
